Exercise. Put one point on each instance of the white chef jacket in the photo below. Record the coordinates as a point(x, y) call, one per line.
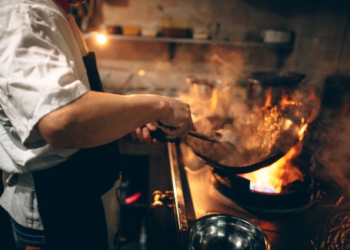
point(41, 70)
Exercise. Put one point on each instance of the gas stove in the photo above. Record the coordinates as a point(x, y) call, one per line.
point(320, 218)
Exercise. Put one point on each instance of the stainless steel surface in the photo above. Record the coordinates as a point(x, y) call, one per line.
point(226, 232)
point(323, 225)
point(276, 36)
point(177, 186)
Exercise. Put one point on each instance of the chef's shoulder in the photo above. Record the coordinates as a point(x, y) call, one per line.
point(29, 13)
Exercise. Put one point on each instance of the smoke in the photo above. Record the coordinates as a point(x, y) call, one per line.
point(330, 144)
point(256, 132)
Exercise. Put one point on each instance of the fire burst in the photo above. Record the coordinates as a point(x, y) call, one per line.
point(272, 178)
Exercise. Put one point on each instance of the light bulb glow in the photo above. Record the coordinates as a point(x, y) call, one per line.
point(101, 39)
point(142, 72)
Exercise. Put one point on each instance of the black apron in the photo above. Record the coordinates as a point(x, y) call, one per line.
point(69, 194)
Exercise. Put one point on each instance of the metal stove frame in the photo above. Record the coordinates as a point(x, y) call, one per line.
point(309, 229)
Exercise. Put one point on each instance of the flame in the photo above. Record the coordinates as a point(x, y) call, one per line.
point(260, 128)
point(195, 90)
point(272, 178)
point(268, 97)
point(285, 102)
point(214, 100)
point(302, 130)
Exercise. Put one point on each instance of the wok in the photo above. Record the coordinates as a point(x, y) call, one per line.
point(227, 156)
point(277, 78)
point(280, 82)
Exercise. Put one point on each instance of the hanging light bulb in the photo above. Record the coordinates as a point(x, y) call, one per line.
point(142, 72)
point(101, 39)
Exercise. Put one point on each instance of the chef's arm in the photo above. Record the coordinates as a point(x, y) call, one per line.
point(98, 118)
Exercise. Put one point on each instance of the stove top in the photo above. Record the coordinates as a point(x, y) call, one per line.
point(323, 224)
point(294, 196)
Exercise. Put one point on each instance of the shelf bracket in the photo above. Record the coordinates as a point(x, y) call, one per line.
point(172, 48)
point(282, 55)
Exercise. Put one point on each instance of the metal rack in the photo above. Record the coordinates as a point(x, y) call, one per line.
point(196, 41)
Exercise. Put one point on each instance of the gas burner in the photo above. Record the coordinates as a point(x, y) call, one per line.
point(294, 197)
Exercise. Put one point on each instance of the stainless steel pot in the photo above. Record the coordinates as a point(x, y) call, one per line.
point(278, 81)
point(276, 36)
point(226, 232)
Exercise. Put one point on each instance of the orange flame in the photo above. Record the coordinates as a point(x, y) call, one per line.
point(268, 99)
point(195, 90)
point(272, 178)
point(286, 102)
point(301, 132)
point(214, 100)
point(275, 177)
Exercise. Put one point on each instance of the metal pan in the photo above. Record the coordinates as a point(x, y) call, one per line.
point(288, 138)
point(226, 232)
point(277, 78)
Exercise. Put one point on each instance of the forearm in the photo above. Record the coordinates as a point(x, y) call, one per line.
point(99, 118)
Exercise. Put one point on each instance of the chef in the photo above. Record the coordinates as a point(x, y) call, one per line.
point(58, 130)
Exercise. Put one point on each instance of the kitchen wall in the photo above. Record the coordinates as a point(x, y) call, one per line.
point(322, 44)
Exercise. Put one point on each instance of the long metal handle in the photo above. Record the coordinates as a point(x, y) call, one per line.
point(192, 133)
point(178, 194)
point(202, 136)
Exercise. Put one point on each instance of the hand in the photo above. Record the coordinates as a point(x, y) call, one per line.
point(143, 134)
point(177, 120)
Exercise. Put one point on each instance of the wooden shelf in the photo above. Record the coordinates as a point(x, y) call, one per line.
point(282, 49)
point(193, 41)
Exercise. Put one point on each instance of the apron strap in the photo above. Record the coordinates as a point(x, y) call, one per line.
point(92, 72)
point(69, 194)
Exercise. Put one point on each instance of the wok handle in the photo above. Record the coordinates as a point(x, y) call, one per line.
point(192, 133)
point(165, 126)
point(163, 137)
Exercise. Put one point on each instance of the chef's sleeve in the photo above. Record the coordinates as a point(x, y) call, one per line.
point(43, 71)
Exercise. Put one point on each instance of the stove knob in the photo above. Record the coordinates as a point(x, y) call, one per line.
point(157, 196)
